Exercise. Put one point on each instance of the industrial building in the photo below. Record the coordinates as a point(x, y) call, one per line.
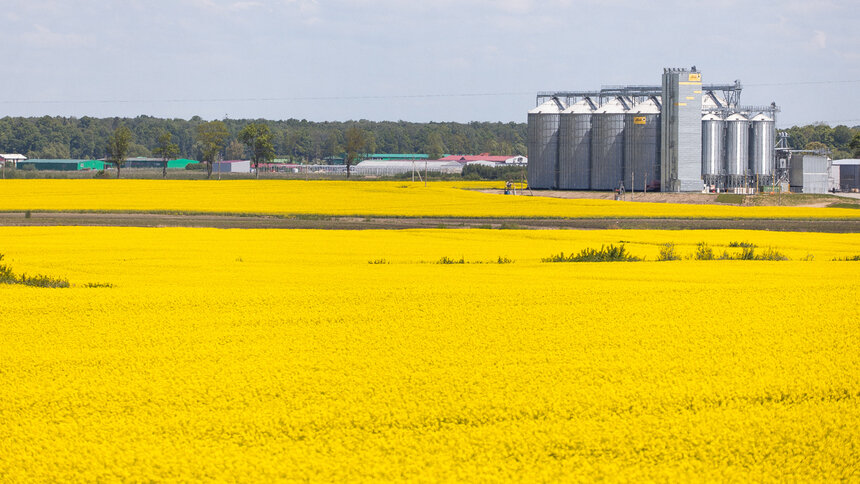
point(846, 174)
point(13, 158)
point(61, 165)
point(680, 136)
point(231, 166)
point(387, 168)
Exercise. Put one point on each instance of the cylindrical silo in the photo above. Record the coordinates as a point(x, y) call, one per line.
point(607, 145)
point(543, 144)
point(713, 148)
point(574, 139)
point(762, 130)
point(642, 145)
point(737, 148)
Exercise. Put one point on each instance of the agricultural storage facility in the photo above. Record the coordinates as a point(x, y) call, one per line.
point(232, 166)
point(61, 165)
point(680, 136)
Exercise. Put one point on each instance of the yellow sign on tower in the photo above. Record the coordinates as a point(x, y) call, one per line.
point(695, 77)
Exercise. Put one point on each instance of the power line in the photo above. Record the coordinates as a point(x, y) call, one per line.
point(271, 99)
point(800, 83)
point(358, 98)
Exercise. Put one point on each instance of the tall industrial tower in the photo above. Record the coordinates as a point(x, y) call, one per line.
point(681, 160)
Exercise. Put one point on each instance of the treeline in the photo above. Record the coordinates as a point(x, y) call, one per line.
point(309, 142)
point(841, 141)
point(299, 140)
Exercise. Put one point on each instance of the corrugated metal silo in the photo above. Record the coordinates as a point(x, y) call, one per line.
point(713, 146)
point(737, 148)
point(574, 157)
point(607, 145)
point(642, 145)
point(543, 124)
point(762, 131)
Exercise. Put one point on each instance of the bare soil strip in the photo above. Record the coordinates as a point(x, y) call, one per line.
point(367, 223)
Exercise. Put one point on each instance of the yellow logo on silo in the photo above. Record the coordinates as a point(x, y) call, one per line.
point(639, 120)
point(695, 77)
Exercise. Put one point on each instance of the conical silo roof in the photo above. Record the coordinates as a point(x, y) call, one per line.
point(612, 107)
point(551, 106)
point(579, 107)
point(647, 107)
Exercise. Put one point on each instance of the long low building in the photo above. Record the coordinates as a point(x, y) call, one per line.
point(61, 164)
point(384, 168)
point(232, 166)
point(846, 174)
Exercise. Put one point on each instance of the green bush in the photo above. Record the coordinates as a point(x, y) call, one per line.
point(742, 244)
point(668, 252)
point(39, 280)
point(703, 252)
point(448, 260)
point(612, 253)
point(482, 172)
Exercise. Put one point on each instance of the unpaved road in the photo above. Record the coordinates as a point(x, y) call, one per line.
point(367, 223)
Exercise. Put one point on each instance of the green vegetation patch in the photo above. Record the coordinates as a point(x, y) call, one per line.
point(612, 253)
point(731, 198)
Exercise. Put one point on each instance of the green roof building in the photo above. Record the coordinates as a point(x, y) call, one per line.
point(62, 165)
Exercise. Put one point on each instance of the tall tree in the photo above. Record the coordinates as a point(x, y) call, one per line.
point(855, 146)
point(117, 148)
point(258, 139)
point(235, 151)
point(356, 143)
point(210, 140)
point(166, 149)
point(435, 148)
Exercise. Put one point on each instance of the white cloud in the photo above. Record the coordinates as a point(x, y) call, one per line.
point(46, 38)
point(819, 40)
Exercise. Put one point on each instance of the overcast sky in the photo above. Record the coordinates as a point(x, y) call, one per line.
point(439, 60)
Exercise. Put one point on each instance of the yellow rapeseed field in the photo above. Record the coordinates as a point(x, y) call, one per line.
point(351, 198)
point(263, 355)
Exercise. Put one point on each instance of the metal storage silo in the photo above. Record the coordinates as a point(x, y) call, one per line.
point(642, 145)
point(713, 148)
point(574, 139)
point(607, 145)
point(737, 149)
point(543, 144)
point(762, 130)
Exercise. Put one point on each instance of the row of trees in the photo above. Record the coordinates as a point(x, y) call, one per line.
point(211, 139)
point(841, 141)
point(300, 141)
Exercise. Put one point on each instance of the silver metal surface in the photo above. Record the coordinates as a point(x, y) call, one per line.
point(607, 145)
point(762, 133)
point(713, 145)
point(642, 146)
point(737, 145)
point(542, 145)
point(574, 157)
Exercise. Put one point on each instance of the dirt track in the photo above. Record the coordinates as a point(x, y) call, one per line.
point(360, 223)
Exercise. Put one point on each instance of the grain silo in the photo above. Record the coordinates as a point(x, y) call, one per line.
point(543, 124)
point(713, 149)
point(737, 149)
point(574, 138)
point(761, 143)
point(681, 131)
point(607, 145)
point(642, 145)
